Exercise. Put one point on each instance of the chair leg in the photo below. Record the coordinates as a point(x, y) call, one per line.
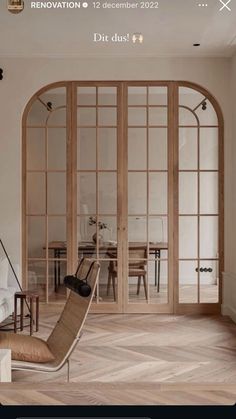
point(159, 271)
point(138, 285)
point(109, 282)
point(145, 286)
point(114, 286)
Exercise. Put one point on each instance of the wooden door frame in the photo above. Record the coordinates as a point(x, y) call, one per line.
point(122, 159)
point(169, 306)
point(116, 306)
point(205, 308)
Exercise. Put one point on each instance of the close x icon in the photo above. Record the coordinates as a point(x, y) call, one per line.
point(225, 5)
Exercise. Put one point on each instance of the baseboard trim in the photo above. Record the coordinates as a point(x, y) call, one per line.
point(228, 311)
point(228, 307)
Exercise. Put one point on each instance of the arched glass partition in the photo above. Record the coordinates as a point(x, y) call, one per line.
point(131, 174)
point(199, 187)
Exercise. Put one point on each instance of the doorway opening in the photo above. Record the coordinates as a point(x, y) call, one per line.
point(131, 174)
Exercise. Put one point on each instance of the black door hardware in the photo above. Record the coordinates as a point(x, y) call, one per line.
point(204, 270)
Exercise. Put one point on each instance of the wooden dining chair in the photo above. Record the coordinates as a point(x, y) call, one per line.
point(137, 269)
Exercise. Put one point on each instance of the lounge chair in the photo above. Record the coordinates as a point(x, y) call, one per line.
point(67, 332)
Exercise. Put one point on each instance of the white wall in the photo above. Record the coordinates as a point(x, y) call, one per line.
point(229, 283)
point(23, 77)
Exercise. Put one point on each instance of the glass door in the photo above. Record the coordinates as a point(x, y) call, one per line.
point(97, 187)
point(200, 186)
point(46, 195)
point(131, 174)
point(147, 280)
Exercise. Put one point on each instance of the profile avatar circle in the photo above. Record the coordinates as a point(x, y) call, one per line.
point(15, 6)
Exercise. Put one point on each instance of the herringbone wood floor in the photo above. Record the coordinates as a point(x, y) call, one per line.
point(138, 359)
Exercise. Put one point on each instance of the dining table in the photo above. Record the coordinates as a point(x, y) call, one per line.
point(89, 249)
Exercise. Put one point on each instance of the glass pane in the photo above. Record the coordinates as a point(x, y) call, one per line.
point(107, 95)
point(107, 189)
point(186, 117)
point(86, 96)
point(137, 230)
point(157, 95)
point(209, 149)
point(209, 193)
point(86, 116)
point(188, 193)
point(56, 193)
point(107, 237)
point(56, 229)
point(188, 282)
point(158, 193)
point(209, 281)
point(188, 149)
point(57, 96)
point(158, 274)
point(209, 237)
point(55, 101)
point(107, 116)
point(137, 193)
point(158, 159)
point(138, 281)
point(137, 149)
point(86, 229)
point(207, 114)
point(198, 104)
point(86, 149)
point(188, 237)
point(137, 95)
point(36, 229)
point(38, 114)
point(86, 184)
point(57, 117)
point(56, 274)
point(36, 193)
point(158, 229)
point(157, 116)
point(107, 148)
point(37, 278)
point(56, 148)
point(108, 282)
point(36, 150)
point(137, 116)
point(189, 97)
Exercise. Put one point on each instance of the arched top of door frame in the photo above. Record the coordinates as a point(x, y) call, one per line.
point(187, 84)
point(205, 92)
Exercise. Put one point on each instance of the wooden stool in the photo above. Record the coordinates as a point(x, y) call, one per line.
point(32, 297)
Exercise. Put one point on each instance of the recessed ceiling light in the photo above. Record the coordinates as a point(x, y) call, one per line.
point(196, 45)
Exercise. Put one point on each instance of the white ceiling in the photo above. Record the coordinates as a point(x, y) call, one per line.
point(169, 30)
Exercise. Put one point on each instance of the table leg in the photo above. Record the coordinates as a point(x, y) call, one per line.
point(159, 270)
point(21, 313)
point(37, 314)
point(31, 316)
point(59, 268)
point(55, 271)
point(156, 253)
point(15, 314)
